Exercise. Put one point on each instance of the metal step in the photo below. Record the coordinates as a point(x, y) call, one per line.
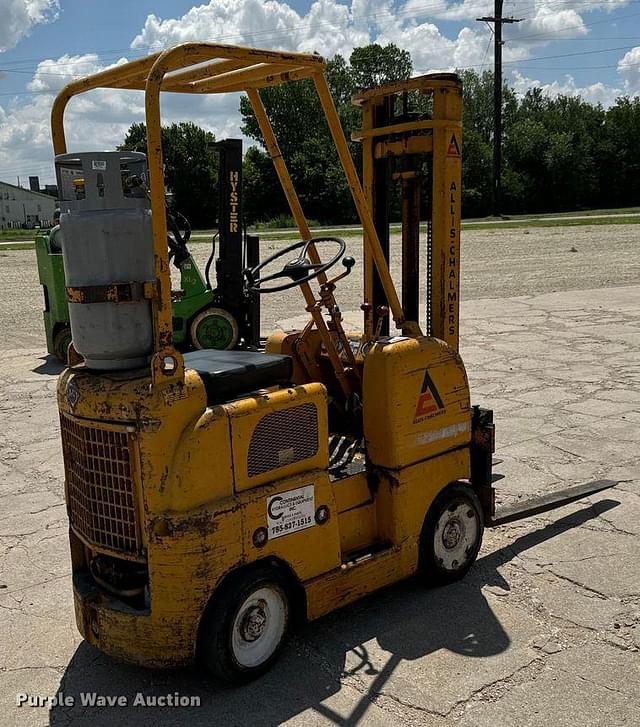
point(363, 555)
point(544, 503)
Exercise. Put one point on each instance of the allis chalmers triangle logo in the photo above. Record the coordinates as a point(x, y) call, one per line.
point(429, 401)
point(453, 150)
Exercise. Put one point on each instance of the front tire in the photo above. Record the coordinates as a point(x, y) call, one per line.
point(214, 328)
point(245, 625)
point(451, 535)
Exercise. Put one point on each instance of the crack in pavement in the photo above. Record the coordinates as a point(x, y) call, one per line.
point(9, 592)
point(500, 687)
point(590, 592)
point(594, 683)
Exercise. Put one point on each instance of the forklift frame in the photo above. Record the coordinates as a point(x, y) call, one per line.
point(202, 470)
point(203, 68)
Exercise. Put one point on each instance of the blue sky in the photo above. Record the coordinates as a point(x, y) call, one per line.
point(590, 47)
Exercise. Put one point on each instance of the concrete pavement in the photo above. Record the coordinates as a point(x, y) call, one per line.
point(545, 629)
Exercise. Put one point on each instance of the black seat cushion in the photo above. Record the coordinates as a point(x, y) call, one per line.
point(226, 374)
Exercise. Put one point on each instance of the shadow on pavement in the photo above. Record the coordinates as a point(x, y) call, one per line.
point(407, 620)
point(51, 366)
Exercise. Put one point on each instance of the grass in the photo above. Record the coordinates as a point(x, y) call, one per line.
point(17, 233)
point(577, 213)
point(16, 246)
point(542, 222)
point(23, 239)
point(506, 224)
point(280, 222)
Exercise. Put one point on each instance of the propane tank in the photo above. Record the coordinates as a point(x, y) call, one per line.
point(107, 242)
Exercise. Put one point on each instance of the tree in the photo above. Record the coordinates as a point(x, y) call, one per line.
point(553, 145)
point(303, 136)
point(262, 190)
point(374, 65)
point(619, 154)
point(477, 158)
point(559, 153)
point(190, 168)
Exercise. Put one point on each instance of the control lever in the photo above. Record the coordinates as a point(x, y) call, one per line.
point(383, 312)
point(366, 341)
point(326, 289)
point(367, 309)
point(348, 262)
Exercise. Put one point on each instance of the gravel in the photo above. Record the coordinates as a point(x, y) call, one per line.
point(495, 264)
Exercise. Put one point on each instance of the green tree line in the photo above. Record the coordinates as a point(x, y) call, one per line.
point(559, 154)
point(190, 168)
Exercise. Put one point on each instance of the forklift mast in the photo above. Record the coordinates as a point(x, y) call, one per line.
point(237, 250)
point(412, 133)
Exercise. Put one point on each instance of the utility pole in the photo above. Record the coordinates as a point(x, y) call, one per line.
point(498, 21)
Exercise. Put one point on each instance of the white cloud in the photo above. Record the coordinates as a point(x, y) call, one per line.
point(227, 21)
point(629, 69)
point(596, 93)
point(328, 27)
point(547, 23)
point(18, 17)
point(53, 75)
point(100, 119)
point(534, 10)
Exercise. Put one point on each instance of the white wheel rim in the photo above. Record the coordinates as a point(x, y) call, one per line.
point(259, 626)
point(456, 536)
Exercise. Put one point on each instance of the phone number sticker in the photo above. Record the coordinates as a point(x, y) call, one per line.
point(288, 512)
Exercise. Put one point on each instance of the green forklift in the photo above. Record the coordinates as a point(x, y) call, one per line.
point(225, 317)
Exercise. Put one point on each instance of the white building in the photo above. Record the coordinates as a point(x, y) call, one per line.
point(23, 208)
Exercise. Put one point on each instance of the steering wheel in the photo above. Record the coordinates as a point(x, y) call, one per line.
point(299, 270)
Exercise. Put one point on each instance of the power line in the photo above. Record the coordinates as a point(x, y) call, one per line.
point(572, 27)
point(522, 61)
point(592, 40)
point(273, 31)
point(521, 64)
point(542, 36)
point(518, 62)
point(579, 68)
point(571, 55)
point(280, 31)
point(486, 50)
point(504, 20)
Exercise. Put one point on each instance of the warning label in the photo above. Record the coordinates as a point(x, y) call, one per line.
point(429, 402)
point(288, 512)
point(453, 150)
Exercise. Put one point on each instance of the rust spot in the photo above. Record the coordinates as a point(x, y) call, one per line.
point(161, 527)
point(203, 523)
point(382, 473)
point(163, 479)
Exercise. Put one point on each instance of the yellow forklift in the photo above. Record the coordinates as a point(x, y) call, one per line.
point(216, 496)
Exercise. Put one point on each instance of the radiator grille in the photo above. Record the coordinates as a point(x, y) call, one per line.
point(100, 487)
point(283, 437)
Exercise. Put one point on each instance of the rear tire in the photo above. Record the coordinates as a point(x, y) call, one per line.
point(245, 625)
point(451, 535)
point(61, 342)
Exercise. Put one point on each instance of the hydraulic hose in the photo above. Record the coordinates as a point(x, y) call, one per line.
point(177, 240)
point(210, 260)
